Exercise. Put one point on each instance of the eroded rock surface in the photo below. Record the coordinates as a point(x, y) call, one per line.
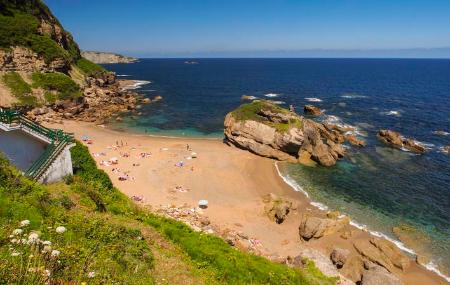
point(315, 227)
point(277, 208)
point(396, 140)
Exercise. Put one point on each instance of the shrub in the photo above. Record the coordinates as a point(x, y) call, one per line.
point(59, 82)
point(89, 68)
point(46, 47)
point(19, 88)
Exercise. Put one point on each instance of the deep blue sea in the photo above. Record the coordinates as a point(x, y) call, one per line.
point(377, 186)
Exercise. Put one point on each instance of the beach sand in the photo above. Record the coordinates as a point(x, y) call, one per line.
point(232, 180)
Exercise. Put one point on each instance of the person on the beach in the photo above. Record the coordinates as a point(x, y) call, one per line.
point(187, 146)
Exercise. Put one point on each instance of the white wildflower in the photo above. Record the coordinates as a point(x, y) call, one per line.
point(17, 232)
point(15, 253)
point(33, 238)
point(24, 241)
point(24, 223)
point(14, 240)
point(91, 274)
point(55, 253)
point(11, 236)
point(60, 229)
point(47, 249)
point(47, 273)
point(47, 242)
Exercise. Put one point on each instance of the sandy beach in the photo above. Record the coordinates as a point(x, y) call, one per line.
point(161, 171)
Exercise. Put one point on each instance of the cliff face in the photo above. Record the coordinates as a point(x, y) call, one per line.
point(270, 131)
point(32, 39)
point(106, 57)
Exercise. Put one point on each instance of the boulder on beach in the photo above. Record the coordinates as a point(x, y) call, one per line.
point(277, 208)
point(396, 140)
point(271, 131)
point(315, 227)
point(312, 110)
point(353, 267)
point(377, 275)
point(339, 256)
point(383, 253)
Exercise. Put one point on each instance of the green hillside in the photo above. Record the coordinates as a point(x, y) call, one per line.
point(107, 239)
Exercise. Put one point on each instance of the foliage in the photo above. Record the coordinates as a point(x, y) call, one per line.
point(92, 248)
point(89, 68)
point(19, 26)
point(53, 81)
point(230, 265)
point(251, 111)
point(19, 88)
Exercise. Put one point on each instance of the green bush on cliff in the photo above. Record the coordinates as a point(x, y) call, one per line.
point(53, 81)
point(19, 26)
point(250, 111)
point(89, 68)
point(19, 88)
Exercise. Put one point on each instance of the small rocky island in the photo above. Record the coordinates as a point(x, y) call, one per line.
point(107, 57)
point(271, 131)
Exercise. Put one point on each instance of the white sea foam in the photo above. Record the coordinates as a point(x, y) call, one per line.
point(294, 185)
point(441, 133)
point(352, 96)
point(136, 85)
point(149, 90)
point(313, 99)
point(392, 113)
point(272, 95)
point(122, 75)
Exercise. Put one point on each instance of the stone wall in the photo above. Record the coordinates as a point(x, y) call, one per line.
point(60, 168)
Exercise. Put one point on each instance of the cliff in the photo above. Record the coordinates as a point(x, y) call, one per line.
point(107, 57)
point(271, 131)
point(41, 66)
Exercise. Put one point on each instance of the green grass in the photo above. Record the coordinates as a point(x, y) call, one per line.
point(250, 111)
point(19, 26)
point(89, 68)
point(65, 87)
point(19, 88)
point(105, 235)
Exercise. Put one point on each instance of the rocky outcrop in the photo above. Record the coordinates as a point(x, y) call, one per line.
point(354, 140)
point(277, 208)
point(314, 227)
point(107, 57)
point(396, 140)
point(24, 59)
point(383, 253)
point(312, 110)
point(280, 134)
point(339, 256)
point(377, 275)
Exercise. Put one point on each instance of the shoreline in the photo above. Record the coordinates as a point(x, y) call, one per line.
point(280, 184)
point(430, 266)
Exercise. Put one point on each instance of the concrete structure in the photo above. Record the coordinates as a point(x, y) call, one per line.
point(31, 146)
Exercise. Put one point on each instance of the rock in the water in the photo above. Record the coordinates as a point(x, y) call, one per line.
point(271, 131)
point(355, 141)
point(312, 110)
point(391, 137)
point(378, 275)
point(314, 227)
point(276, 208)
point(447, 149)
point(396, 140)
point(339, 256)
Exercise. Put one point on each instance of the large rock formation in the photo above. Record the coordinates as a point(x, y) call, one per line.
point(271, 131)
point(383, 253)
point(396, 140)
point(107, 57)
point(312, 110)
point(277, 208)
point(315, 227)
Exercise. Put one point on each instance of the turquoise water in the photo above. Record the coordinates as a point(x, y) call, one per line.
point(377, 186)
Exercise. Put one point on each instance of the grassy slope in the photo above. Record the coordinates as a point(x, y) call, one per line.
point(109, 235)
point(19, 88)
point(250, 112)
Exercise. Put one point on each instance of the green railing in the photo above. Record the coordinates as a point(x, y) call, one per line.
point(59, 140)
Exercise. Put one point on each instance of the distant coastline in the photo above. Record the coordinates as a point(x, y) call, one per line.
point(107, 57)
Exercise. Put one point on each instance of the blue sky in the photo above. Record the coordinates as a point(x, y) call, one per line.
point(170, 28)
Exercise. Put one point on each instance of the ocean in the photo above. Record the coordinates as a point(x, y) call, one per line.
point(394, 193)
